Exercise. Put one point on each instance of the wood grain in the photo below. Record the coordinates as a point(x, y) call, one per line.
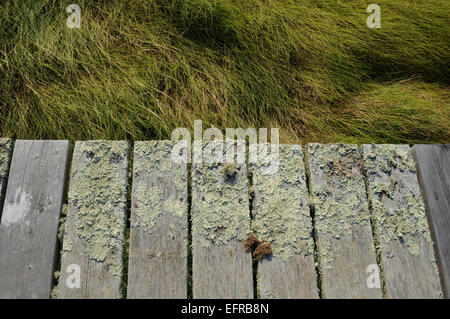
point(29, 224)
point(433, 163)
point(158, 237)
point(342, 221)
point(94, 238)
point(281, 217)
point(400, 224)
point(220, 224)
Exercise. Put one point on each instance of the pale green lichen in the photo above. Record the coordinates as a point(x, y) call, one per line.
point(97, 200)
point(338, 194)
point(391, 157)
point(160, 186)
point(67, 246)
point(174, 206)
point(153, 158)
point(54, 293)
point(62, 222)
point(220, 210)
point(147, 205)
point(281, 214)
point(6, 146)
point(398, 210)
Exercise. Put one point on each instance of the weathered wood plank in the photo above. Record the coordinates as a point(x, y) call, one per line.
point(281, 217)
point(158, 237)
point(342, 220)
point(6, 146)
point(400, 224)
point(94, 238)
point(220, 224)
point(433, 163)
point(29, 224)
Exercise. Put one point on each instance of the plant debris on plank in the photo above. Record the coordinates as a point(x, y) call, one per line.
point(259, 249)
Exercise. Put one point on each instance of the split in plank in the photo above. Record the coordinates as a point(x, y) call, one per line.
point(158, 235)
point(220, 224)
point(94, 238)
point(344, 236)
point(281, 217)
point(400, 224)
point(433, 163)
point(6, 146)
point(30, 219)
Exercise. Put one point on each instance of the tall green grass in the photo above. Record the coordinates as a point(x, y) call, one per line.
point(137, 69)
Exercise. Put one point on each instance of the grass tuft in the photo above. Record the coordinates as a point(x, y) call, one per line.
point(138, 69)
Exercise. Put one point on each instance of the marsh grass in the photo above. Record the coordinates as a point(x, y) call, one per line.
point(137, 69)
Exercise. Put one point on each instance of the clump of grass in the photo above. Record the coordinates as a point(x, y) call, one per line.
point(400, 112)
point(137, 69)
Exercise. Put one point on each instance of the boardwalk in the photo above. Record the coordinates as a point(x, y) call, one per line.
point(107, 220)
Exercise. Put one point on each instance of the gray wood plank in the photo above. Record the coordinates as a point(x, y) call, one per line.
point(400, 224)
point(342, 220)
point(158, 236)
point(29, 224)
point(220, 224)
point(281, 217)
point(6, 146)
point(94, 237)
point(433, 163)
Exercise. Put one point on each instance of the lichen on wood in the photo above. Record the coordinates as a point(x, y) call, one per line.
point(281, 215)
point(97, 202)
point(220, 210)
point(155, 152)
point(6, 146)
point(153, 164)
point(338, 193)
point(398, 209)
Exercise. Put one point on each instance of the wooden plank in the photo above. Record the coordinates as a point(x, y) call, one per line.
point(158, 237)
point(281, 217)
point(220, 224)
point(400, 224)
point(6, 146)
point(433, 163)
point(29, 224)
point(94, 238)
point(342, 220)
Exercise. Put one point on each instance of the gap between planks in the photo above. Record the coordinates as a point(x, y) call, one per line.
point(250, 206)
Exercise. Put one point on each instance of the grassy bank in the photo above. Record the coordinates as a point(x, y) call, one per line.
point(137, 69)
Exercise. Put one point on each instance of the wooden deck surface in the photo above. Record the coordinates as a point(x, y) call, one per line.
point(327, 221)
point(29, 225)
point(400, 224)
point(433, 163)
point(342, 219)
point(220, 223)
point(282, 218)
point(94, 237)
point(159, 226)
